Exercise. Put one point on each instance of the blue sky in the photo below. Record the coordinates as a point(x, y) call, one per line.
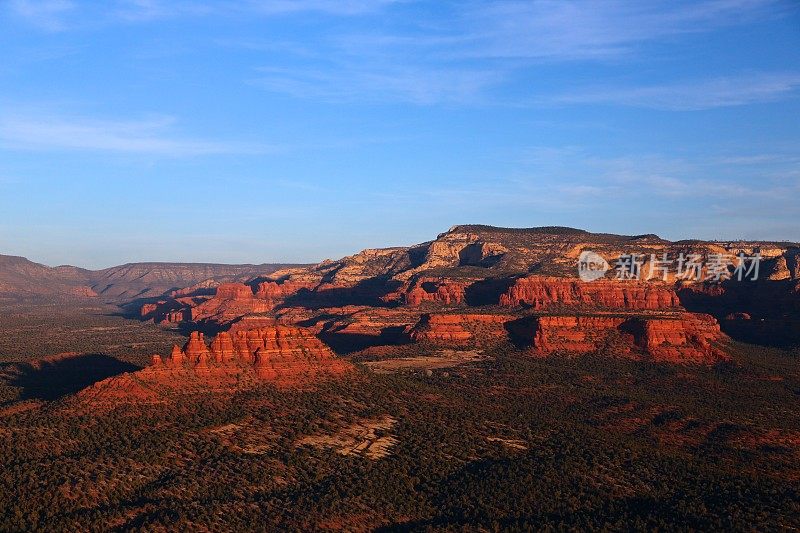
point(280, 130)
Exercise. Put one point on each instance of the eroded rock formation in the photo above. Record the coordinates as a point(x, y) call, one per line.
point(231, 301)
point(278, 290)
point(678, 338)
point(441, 291)
point(286, 356)
point(277, 353)
point(544, 292)
point(459, 329)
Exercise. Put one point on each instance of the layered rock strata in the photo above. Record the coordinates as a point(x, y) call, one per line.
point(459, 329)
point(286, 356)
point(677, 338)
point(543, 292)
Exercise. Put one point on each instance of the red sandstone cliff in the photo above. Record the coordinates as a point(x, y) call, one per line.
point(231, 301)
point(543, 292)
point(286, 356)
point(678, 338)
point(459, 329)
point(423, 289)
point(278, 290)
point(278, 353)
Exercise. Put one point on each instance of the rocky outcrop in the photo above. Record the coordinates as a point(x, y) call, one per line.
point(278, 290)
point(689, 338)
point(541, 292)
point(231, 301)
point(147, 310)
point(793, 262)
point(778, 269)
point(369, 263)
point(221, 303)
point(490, 270)
point(783, 267)
point(576, 334)
point(277, 352)
point(206, 287)
point(459, 329)
point(677, 338)
point(173, 311)
point(422, 290)
point(477, 266)
point(234, 291)
point(282, 355)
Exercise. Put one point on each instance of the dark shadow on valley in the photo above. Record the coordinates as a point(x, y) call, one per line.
point(347, 343)
point(487, 292)
point(209, 329)
point(521, 332)
point(766, 313)
point(367, 293)
point(54, 379)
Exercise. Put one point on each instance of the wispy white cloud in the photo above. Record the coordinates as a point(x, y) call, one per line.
point(364, 83)
point(468, 53)
point(693, 195)
point(561, 30)
point(145, 10)
point(331, 7)
point(693, 95)
point(577, 29)
point(485, 46)
point(148, 10)
point(646, 178)
point(55, 15)
point(151, 136)
point(45, 14)
point(762, 160)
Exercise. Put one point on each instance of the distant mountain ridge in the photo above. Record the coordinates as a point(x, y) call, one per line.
point(22, 279)
point(466, 251)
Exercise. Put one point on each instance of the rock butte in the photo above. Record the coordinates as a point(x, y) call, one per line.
point(278, 353)
point(543, 292)
point(286, 356)
point(459, 329)
point(678, 337)
point(682, 338)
